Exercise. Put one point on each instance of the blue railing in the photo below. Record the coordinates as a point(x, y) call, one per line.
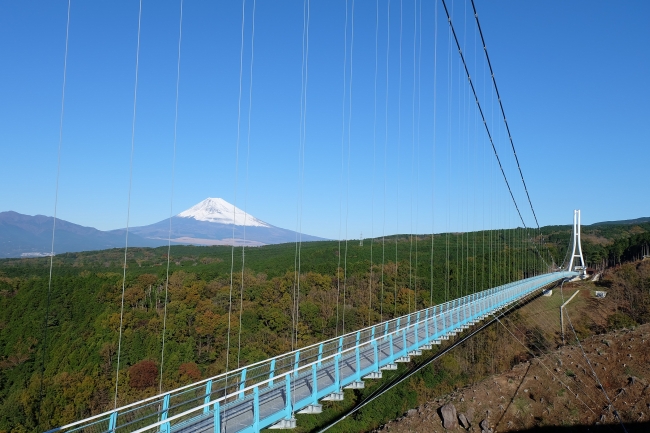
point(271, 391)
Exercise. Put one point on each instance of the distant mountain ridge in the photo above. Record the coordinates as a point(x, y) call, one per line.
point(213, 221)
point(624, 222)
point(26, 235)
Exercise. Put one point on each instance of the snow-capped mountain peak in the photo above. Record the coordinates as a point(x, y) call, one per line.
point(217, 210)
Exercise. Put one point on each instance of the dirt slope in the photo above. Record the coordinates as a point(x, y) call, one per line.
point(558, 389)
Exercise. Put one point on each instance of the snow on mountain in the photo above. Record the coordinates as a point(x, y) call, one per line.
point(217, 210)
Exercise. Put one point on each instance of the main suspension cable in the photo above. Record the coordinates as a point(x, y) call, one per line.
point(503, 113)
point(487, 129)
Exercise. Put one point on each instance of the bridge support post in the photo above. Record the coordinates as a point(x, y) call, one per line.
point(417, 329)
point(337, 371)
point(435, 322)
point(165, 413)
point(271, 372)
point(314, 386)
point(337, 365)
point(287, 392)
point(375, 353)
point(256, 409)
point(242, 383)
point(426, 324)
point(112, 422)
point(206, 400)
point(217, 417)
point(357, 356)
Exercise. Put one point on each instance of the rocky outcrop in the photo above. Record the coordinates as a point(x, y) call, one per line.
point(485, 426)
point(464, 422)
point(449, 417)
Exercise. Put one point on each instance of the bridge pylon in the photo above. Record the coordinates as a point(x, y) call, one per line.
point(577, 261)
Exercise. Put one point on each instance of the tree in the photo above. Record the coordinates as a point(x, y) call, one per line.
point(143, 375)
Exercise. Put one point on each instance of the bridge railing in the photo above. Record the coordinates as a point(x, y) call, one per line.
point(245, 382)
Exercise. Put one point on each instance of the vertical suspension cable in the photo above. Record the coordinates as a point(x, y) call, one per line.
point(448, 185)
point(128, 207)
point(248, 147)
point(383, 229)
point(374, 159)
point(433, 154)
point(413, 184)
point(399, 142)
point(417, 177)
point(234, 208)
point(301, 171)
point(296, 272)
point(345, 67)
point(473, 120)
point(171, 197)
point(304, 140)
point(483, 199)
point(56, 202)
point(458, 237)
point(465, 218)
point(347, 194)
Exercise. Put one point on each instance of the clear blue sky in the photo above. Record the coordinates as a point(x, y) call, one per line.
point(573, 78)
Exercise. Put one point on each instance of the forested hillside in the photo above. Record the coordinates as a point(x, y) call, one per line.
point(58, 343)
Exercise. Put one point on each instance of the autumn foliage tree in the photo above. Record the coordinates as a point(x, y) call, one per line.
point(143, 375)
point(189, 372)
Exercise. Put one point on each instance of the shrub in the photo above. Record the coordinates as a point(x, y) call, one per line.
point(620, 320)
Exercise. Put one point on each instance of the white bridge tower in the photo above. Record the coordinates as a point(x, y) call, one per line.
point(577, 261)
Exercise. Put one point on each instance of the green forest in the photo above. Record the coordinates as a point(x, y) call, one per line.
point(59, 340)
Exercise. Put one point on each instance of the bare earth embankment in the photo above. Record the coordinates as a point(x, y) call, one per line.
point(557, 391)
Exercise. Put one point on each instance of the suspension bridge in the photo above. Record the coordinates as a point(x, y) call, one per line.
point(269, 393)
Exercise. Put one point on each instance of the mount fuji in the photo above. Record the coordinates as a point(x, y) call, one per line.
point(211, 222)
